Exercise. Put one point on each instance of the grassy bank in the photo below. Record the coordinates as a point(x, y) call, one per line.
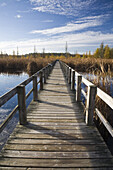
point(90, 64)
point(18, 65)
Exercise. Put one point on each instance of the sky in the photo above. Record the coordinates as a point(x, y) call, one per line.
point(49, 24)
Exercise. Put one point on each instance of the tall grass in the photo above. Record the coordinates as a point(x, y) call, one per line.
point(18, 65)
point(90, 64)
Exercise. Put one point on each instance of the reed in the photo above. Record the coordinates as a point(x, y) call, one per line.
point(18, 65)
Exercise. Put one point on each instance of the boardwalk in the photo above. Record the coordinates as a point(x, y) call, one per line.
point(56, 136)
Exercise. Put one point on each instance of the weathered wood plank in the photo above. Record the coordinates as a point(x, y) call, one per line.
point(57, 155)
point(78, 163)
point(12, 168)
point(50, 131)
point(55, 121)
point(50, 146)
point(56, 136)
point(57, 127)
point(100, 168)
point(51, 140)
point(68, 141)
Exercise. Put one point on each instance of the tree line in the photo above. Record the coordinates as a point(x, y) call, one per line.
point(101, 52)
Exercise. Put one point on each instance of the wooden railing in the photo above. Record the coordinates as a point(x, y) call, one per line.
point(72, 76)
point(41, 76)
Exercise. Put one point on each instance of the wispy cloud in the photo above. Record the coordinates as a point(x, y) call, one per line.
point(18, 16)
point(47, 21)
point(78, 25)
point(3, 4)
point(76, 41)
point(65, 7)
point(71, 7)
point(26, 11)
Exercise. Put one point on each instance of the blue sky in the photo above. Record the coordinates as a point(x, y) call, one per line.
point(49, 24)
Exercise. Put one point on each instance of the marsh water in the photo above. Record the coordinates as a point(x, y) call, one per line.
point(106, 83)
point(7, 82)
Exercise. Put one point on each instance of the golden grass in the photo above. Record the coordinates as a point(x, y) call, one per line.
point(18, 65)
point(90, 64)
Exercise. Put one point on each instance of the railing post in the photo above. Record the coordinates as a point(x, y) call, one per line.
point(78, 88)
point(47, 71)
point(67, 72)
point(35, 91)
point(41, 80)
point(69, 76)
point(49, 68)
point(90, 106)
point(22, 104)
point(44, 71)
point(64, 70)
point(73, 80)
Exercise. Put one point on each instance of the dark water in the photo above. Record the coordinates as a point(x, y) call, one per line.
point(106, 84)
point(7, 82)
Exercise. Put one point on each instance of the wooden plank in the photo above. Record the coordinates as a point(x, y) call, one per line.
point(54, 117)
point(63, 127)
point(7, 96)
point(5, 122)
point(100, 168)
point(48, 136)
point(37, 130)
point(54, 120)
point(56, 136)
point(12, 168)
point(105, 97)
point(51, 140)
point(86, 82)
point(62, 141)
point(105, 122)
point(78, 163)
point(57, 155)
point(50, 146)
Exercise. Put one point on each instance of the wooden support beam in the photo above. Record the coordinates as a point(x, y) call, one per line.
point(45, 74)
point(78, 88)
point(22, 104)
point(41, 80)
point(90, 106)
point(73, 80)
point(69, 74)
point(35, 90)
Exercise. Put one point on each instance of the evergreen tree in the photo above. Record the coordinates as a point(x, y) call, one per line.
point(107, 52)
point(111, 53)
point(102, 50)
point(97, 53)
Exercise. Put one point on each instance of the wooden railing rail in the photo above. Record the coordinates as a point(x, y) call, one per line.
point(90, 96)
point(41, 76)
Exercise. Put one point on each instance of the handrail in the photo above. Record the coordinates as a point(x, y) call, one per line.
point(105, 97)
point(90, 96)
point(7, 96)
point(43, 75)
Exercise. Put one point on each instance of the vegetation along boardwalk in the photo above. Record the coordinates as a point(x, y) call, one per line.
point(56, 135)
